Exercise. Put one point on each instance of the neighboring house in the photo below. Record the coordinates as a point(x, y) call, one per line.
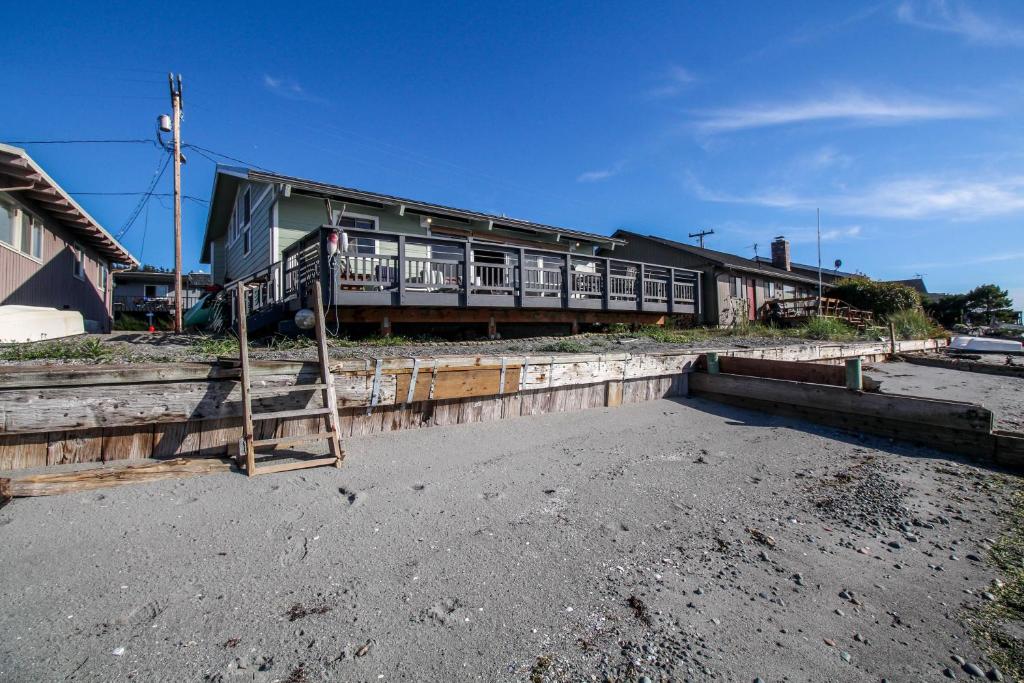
point(397, 254)
point(733, 287)
point(52, 252)
point(828, 275)
point(915, 283)
point(153, 290)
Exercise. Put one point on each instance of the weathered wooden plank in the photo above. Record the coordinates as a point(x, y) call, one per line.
point(134, 442)
point(218, 435)
point(103, 477)
point(924, 411)
point(82, 445)
point(176, 439)
point(18, 451)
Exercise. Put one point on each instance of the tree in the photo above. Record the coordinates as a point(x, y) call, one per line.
point(990, 303)
point(948, 310)
point(881, 298)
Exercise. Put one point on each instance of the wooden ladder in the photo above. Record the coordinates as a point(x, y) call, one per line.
point(248, 444)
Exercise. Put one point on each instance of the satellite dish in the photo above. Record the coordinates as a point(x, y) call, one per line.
point(839, 263)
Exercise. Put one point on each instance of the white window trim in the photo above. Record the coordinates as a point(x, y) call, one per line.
point(364, 217)
point(16, 232)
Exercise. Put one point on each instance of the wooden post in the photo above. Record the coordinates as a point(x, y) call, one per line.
point(401, 270)
point(326, 378)
point(854, 379)
point(385, 327)
point(712, 359)
point(607, 284)
point(640, 288)
point(575, 327)
point(176, 123)
point(892, 338)
point(671, 291)
point(467, 281)
point(567, 285)
point(243, 356)
point(520, 292)
point(492, 328)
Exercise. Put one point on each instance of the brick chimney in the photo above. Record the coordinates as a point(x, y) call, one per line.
point(780, 253)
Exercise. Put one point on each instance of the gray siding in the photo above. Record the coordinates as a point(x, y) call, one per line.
point(237, 263)
point(218, 253)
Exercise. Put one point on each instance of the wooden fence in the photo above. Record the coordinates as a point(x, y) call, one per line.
point(56, 415)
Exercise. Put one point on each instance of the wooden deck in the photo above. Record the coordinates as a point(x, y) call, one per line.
point(382, 269)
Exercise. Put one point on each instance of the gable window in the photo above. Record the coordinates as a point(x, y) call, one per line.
point(78, 267)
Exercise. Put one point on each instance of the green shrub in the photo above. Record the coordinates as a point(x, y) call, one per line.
point(914, 324)
point(85, 349)
point(881, 298)
point(830, 329)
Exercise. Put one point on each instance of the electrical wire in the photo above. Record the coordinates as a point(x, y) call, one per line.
point(157, 174)
point(201, 151)
point(97, 141)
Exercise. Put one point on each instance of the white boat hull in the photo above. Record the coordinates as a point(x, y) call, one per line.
point(35, 323)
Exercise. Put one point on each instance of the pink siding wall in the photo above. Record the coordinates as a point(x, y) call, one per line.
point(52, 283)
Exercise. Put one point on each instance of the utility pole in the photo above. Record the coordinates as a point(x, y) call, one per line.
point(700, 236)
point(176, 122)
point(818, 214)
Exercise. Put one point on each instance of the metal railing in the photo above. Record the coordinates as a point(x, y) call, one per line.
point(152, 304)
point(392, 269)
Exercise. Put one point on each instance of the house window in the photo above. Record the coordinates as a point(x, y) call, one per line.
point(31, 235)
point(78, 268)
point(149, 291)
point(104, 275)
point(736, 287)
point(6, 223)
point(363, 245)
point(769, 289)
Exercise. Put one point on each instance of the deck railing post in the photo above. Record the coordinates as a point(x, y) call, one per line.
point(671, 290)
point(467, 268)
point(520, 290)
point(401, 270)
point(607, 289)
point(567, 285)
point(640, 289)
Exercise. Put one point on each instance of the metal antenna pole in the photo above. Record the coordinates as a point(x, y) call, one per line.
point(176, 114)
point(818, 212)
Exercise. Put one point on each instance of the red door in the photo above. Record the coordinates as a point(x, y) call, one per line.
point(751, 299)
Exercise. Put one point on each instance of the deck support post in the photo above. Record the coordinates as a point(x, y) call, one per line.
point(385, 327)
point(854, 378)
point(492, 328)
point(575, 327)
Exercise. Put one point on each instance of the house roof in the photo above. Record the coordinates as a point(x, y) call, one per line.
point(916, 283)
point(227, 178)
point(808, 267)
point(722, 258)
point(21, 176)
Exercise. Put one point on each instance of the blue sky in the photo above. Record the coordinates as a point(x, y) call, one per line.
point(900, 120)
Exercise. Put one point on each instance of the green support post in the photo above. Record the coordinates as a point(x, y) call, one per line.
point(854, 379)
point(712, 363)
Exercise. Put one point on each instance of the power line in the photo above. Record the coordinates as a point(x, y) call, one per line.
point(82, 142)
point(149, 193)
point(201, 151)
point(136, 194)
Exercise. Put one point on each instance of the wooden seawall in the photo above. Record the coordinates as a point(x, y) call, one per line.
point(53, 415)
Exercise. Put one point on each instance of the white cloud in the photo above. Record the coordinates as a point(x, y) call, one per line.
point(902, 198)
point(976, 261)
point(824, 157)
point(673, 81)
point(956, 18)
point(851, 106)
point(600, 174)
point(288, 89)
